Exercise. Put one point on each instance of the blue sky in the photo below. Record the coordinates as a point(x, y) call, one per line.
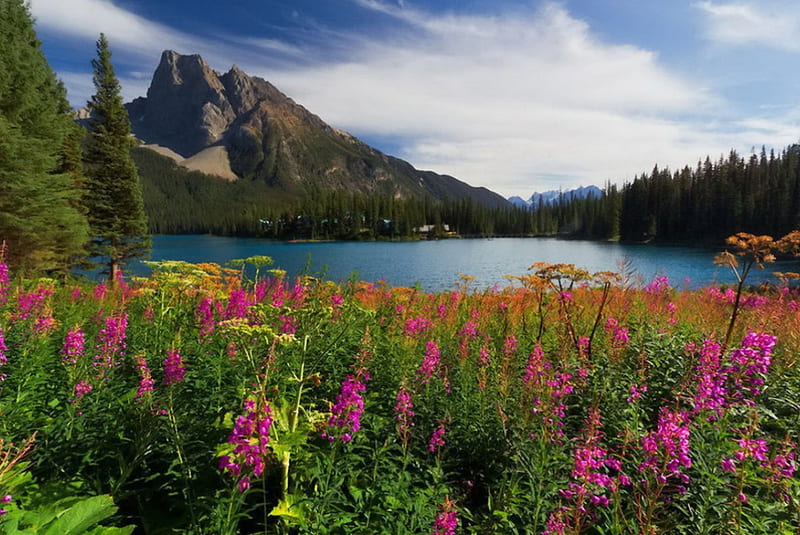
point(515, 95)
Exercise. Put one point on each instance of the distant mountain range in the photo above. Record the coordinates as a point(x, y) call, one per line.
point(555, 196)
point(240, 127)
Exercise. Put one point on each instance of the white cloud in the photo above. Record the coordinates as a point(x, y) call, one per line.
point(510, 100)
point(775, 24)
point(513, 101)
point(87, 18)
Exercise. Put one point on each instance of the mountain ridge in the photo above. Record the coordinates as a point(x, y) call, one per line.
point(554, 196)
point(265, 135)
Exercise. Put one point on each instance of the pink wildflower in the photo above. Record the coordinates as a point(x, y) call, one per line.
point(710, 393)
point(345, 419)
point(110, 344)
point(417, 326)
point(73, 346)
point(174, 370)
point(205, 315)
point(3, 349)
point(237, 305)
point(250, 438)
point(667, 449)
point(446, 521)
point(437, 439)
point(404, 413)
point(4, 283)
point(82, 388)
point(145, 378)
point(430, 364)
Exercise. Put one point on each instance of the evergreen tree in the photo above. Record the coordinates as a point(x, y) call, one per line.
point(114, 196)
point(41, 220)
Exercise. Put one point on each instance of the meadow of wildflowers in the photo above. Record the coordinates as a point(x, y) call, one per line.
point(198, 400)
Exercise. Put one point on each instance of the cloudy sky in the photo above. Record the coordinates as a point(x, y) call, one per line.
point(515, 95)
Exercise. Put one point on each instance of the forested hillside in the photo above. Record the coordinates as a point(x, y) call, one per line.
point(760, 194)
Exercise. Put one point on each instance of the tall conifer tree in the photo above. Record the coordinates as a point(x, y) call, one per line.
point(41, 219)
point(114, 197)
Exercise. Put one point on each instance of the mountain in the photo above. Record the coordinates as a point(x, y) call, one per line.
point(241, 127)
point(554, 196)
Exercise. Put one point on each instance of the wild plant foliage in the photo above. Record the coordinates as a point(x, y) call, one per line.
point(213, 400)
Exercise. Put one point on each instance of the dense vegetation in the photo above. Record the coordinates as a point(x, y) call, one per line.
point(41, 218)
point(705, 204)
point(203, 401)
point(55, 212)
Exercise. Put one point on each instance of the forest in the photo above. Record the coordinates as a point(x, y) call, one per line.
point(700, 205)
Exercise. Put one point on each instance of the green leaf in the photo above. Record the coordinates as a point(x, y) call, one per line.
point(80, 516)
point(290, 510)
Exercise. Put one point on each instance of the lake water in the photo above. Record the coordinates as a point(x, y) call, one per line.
point(435, 265)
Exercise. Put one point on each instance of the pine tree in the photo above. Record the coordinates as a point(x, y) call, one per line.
point(41, 220)
point(114, 196)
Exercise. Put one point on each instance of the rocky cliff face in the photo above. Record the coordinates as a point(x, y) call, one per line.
point(264, 135)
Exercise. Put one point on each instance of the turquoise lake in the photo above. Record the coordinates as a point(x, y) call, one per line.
point(435, 265)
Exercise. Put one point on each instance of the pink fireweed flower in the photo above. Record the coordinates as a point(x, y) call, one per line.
point(659, 285)
point(288, 324)
point(33, 304)
point(336, 301)
point(537, 367)
point(76, 294)
point(345, 419)
point(728, 296)
point(82, 388)
point(621, 338)
point(145, 378)
point(404, 413)
point(3, 349)
point(174, 370)
point(619, 335)
point(749, 365)
point(636, 392)
point(592, 476)
point(484, 361)
point(751, 449)
point(548, 389)
point(666, 450)
point(205, 316)
point(584, 345)
point(279, 296)
point(510, 346)
point(710, 392)
point(100, 291)
point(728, 465)
point(430, 363)
point(298, 294)
point(4, 283)
point(73, 346)
point(261, 289)
point(237, 305)
point(446, 521)
point(417, 326)
point(437, 439)
point(250, 441)
point(468, 333)
point(484, 358)
point(110, 344)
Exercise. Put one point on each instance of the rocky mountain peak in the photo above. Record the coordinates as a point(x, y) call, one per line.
point(246, 127)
